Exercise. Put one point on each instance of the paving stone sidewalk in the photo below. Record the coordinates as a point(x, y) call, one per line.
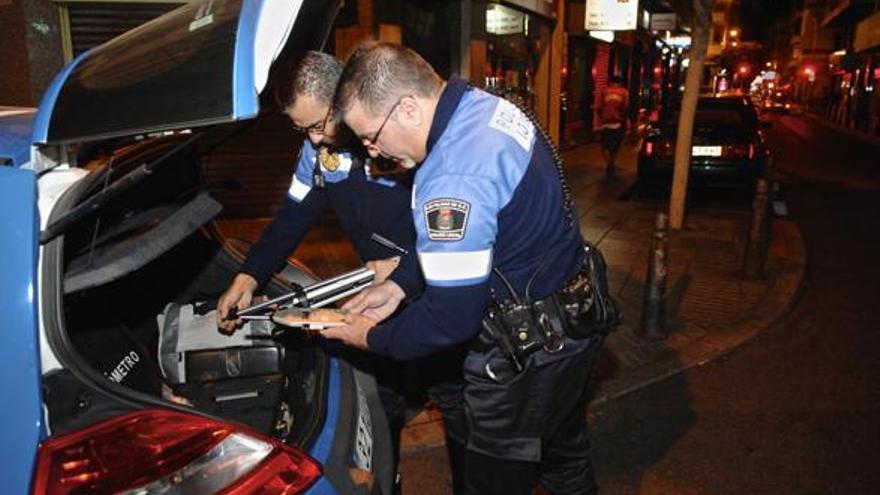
point(711, 307)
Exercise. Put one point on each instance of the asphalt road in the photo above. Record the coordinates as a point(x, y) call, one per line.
point(797, 409)
point(794, 411)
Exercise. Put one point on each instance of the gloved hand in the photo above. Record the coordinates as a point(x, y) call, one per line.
point(239, 295)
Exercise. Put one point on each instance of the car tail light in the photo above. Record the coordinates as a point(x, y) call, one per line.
point(661, 148)
point(751, 151)
point(738, 151)
point(158, 451)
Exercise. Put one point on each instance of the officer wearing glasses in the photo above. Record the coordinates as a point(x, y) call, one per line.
point(506, 271)
point(332, 169)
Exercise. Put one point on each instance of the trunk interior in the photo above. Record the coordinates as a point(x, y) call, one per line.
point(137, 258)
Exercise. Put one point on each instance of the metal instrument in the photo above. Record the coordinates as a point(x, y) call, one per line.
point(316, 295)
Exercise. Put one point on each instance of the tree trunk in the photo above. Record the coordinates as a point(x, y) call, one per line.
point(699, 43)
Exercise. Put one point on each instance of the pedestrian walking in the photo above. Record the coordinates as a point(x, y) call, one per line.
point(613, 111)
point(499, 245)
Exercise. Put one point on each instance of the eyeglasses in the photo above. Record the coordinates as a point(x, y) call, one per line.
point(372, 141)
point(317, 127)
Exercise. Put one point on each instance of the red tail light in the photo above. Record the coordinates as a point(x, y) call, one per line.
point(660, 149)
point(738, 151)
point(154, 451)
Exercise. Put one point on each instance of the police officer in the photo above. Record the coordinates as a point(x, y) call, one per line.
point(332, 169)
point(497, 242)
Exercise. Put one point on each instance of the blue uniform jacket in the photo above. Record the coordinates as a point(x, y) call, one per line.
point(363, 204)
point(487, 195)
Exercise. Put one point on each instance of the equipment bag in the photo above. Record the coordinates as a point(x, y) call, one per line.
point(238, 376)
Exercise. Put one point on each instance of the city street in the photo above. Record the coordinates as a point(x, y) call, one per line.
point(794, 410)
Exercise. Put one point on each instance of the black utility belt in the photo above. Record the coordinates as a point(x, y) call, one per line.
point(520, 329)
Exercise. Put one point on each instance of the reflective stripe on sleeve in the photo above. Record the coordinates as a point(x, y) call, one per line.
point(298, 190)
point(450, 266)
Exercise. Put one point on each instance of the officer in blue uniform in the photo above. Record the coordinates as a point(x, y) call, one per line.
point(500, 249)
point(332, 169)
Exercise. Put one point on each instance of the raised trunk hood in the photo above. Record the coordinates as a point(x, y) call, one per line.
point(203, 63)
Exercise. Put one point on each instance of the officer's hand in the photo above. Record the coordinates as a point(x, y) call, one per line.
point(383, 268)
point(377, 302)
point(353, 333)
point(239, 295)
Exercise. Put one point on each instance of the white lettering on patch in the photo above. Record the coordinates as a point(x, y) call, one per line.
point(512, 121)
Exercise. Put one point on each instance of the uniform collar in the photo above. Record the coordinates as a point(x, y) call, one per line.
point(446, 105)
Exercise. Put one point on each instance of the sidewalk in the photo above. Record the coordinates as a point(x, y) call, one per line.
point(711, 307)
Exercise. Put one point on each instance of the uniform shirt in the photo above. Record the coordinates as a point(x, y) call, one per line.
point(364, 205)
point(487, 195)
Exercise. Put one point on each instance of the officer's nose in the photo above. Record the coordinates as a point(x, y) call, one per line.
point(372, 150)
point(316, 137)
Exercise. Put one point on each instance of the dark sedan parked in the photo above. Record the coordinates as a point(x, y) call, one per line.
point(728, 148)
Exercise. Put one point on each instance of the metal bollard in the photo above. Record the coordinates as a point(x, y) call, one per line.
point(756, 250)
point(653, 324)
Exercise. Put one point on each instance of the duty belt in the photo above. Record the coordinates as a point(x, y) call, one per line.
point(582, 308)
point(520, 329)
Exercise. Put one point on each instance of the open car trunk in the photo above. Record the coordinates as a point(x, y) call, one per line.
point(145, 257)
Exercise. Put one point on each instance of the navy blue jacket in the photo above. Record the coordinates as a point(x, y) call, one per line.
point(364, 204)
point(486, 196)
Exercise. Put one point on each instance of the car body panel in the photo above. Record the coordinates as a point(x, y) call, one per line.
point(321, 449)
point(20, 375)
point(15, 135)
point(203, 63)
point(108, 93)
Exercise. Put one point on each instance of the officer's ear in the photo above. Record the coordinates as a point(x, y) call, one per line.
point(410, 111)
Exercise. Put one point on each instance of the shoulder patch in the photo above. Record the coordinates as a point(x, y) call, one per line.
point(512, 121)
point(446, 219)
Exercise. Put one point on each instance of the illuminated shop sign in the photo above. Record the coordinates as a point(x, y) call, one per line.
point(666, 21)
point(611, 15)
point(504, 20)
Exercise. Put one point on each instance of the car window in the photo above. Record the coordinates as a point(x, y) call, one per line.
point(718, 114)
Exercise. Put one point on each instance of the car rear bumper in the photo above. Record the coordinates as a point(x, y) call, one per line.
point(730, 174)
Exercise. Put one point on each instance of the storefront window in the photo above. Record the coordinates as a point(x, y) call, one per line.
point(514, 43)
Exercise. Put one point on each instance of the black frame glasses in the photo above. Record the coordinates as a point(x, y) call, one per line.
point(317, 127)
point(372, 141)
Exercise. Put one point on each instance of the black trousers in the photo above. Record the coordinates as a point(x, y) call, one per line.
point(438, 375)
point(526, 428)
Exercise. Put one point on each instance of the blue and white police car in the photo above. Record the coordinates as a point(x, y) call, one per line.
point(110, 251)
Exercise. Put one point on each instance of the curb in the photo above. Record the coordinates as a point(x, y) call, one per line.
point(786, 258)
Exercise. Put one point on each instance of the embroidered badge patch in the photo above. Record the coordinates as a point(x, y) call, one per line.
point(446, 219)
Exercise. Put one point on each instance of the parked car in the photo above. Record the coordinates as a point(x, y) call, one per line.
point(728, 147)
point(110, 238)
point(781, 103)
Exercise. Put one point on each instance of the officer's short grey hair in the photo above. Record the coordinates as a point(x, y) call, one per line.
point(316, 75)
point(379, 74)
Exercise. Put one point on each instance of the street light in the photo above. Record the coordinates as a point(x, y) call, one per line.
point(733, 33)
